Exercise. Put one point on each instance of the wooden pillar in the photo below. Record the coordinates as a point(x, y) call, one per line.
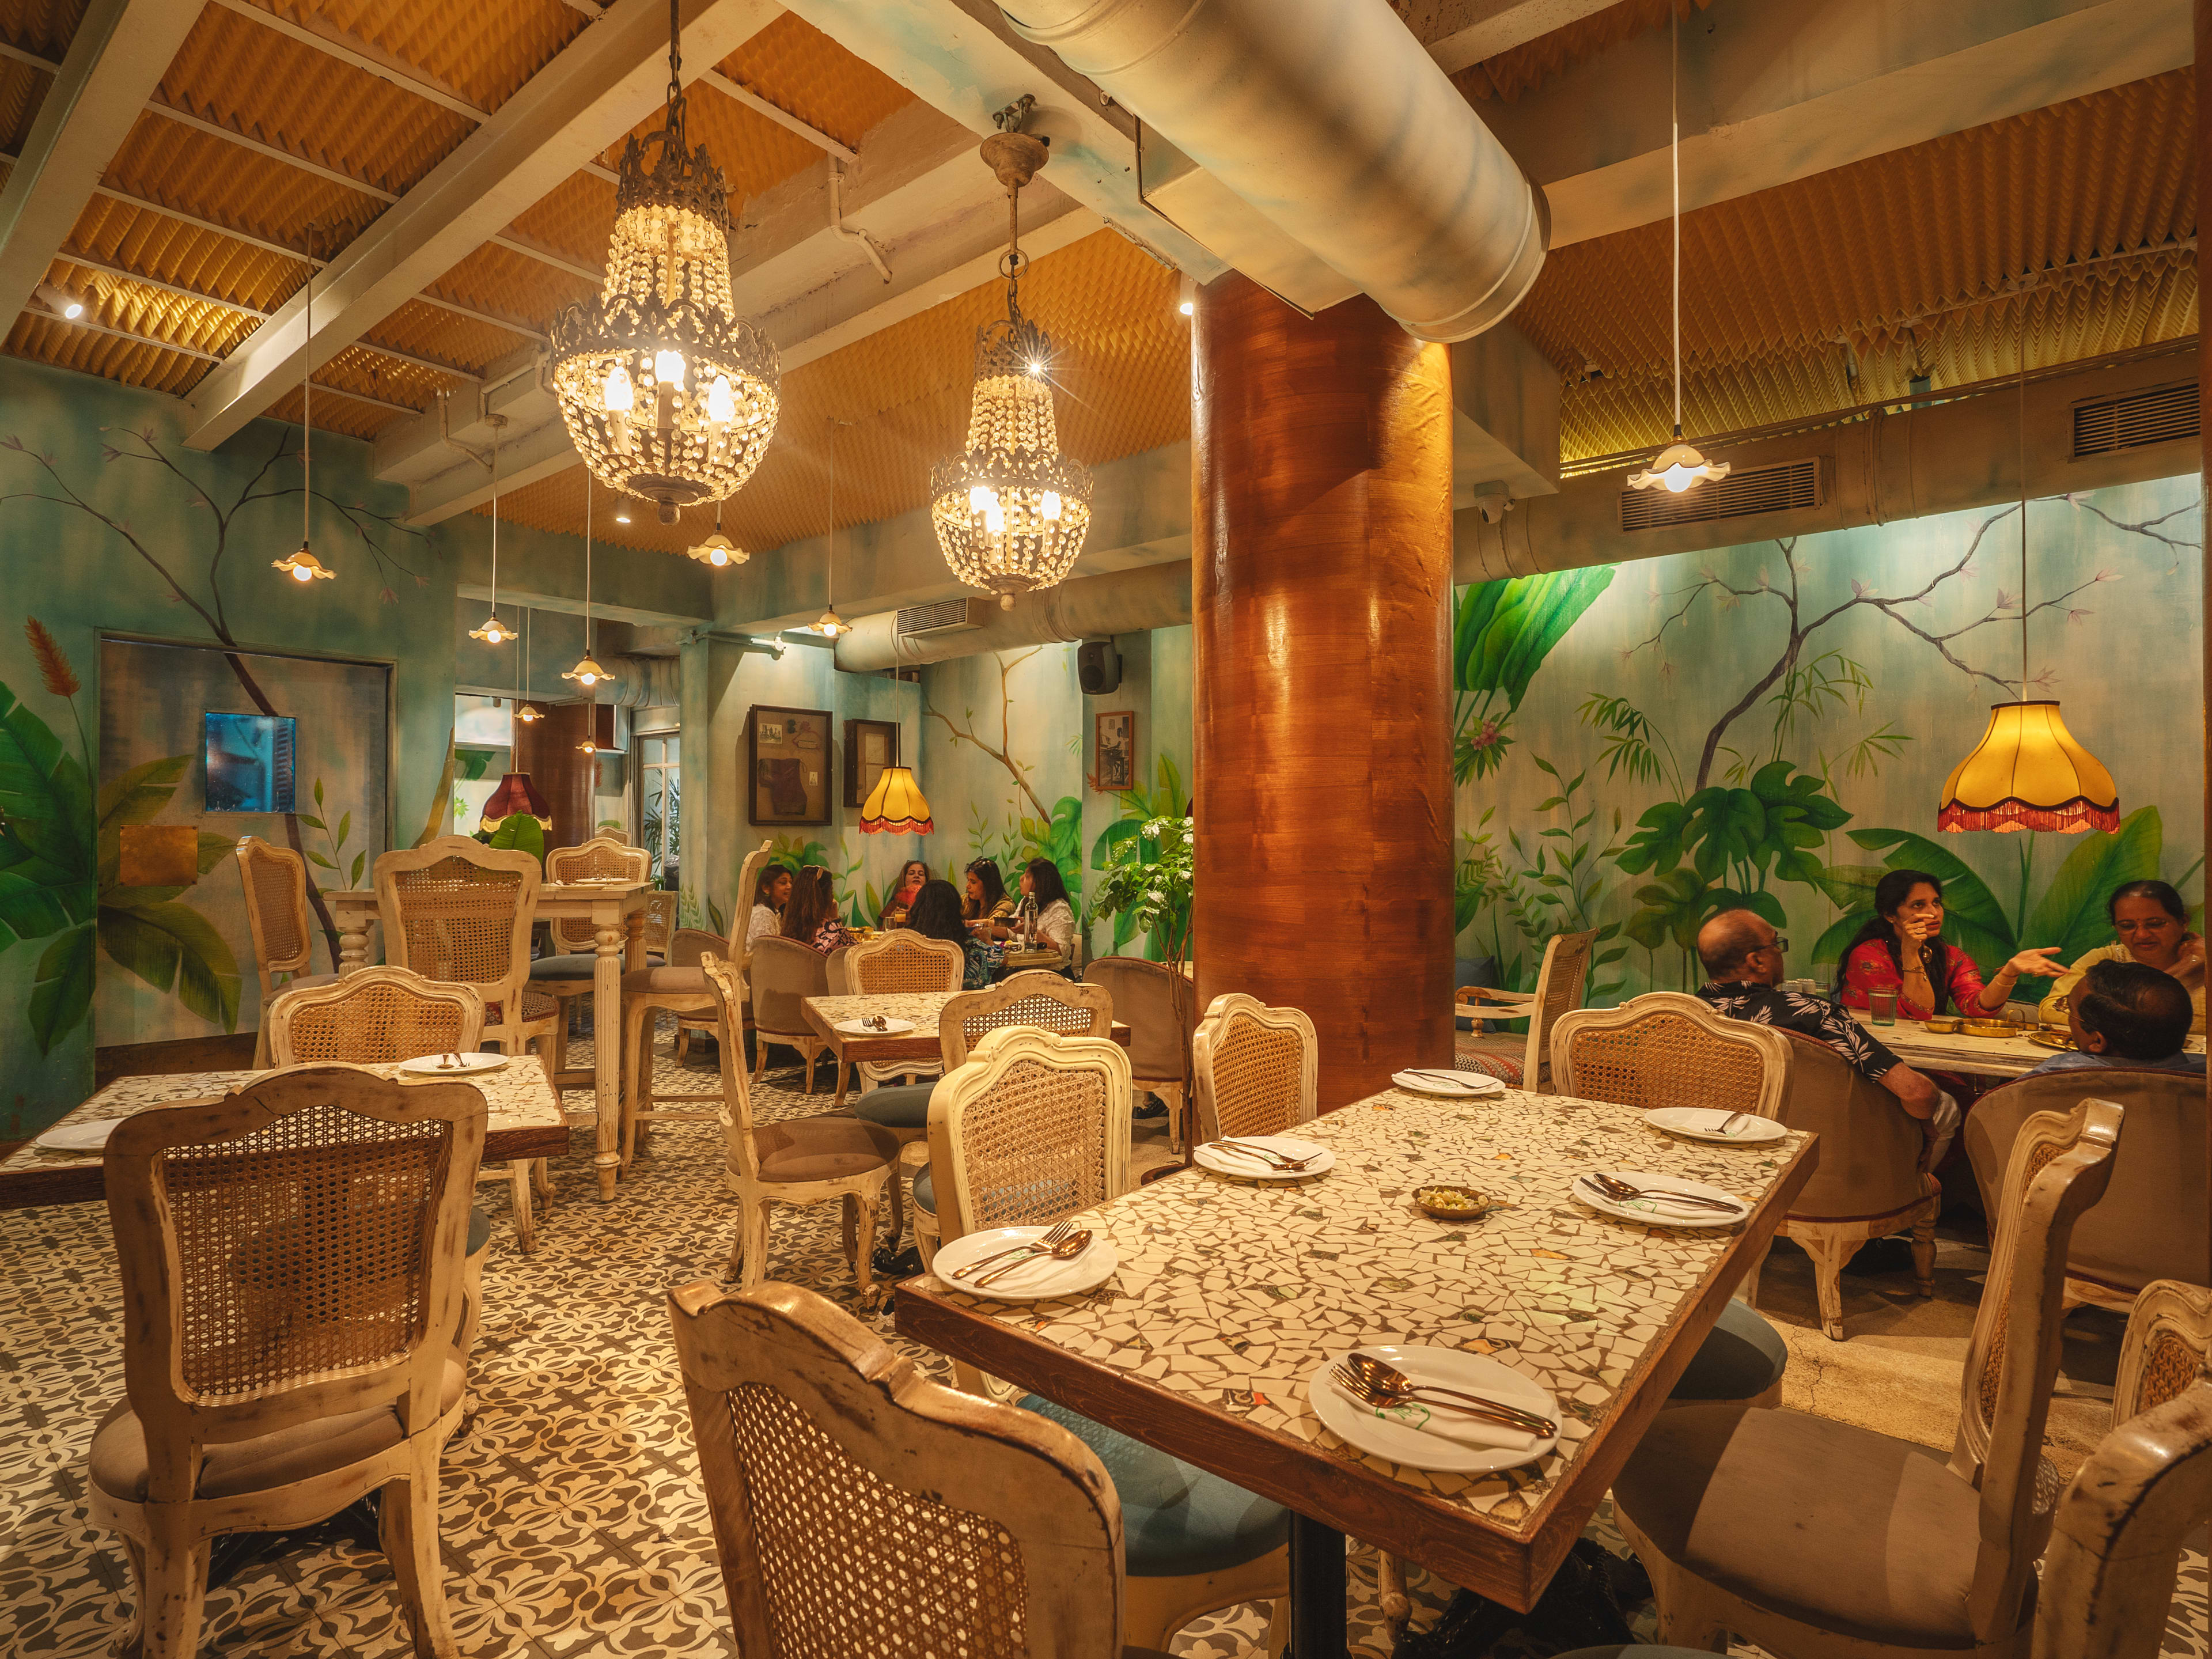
point(2203, 22)
point(1321, 544)
point(546, 749)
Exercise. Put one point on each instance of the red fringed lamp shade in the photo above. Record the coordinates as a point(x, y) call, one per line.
point(895, 805)
point(516, 793)
point(2028, 772)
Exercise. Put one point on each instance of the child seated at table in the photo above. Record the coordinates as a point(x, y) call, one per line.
point(2123, 1014)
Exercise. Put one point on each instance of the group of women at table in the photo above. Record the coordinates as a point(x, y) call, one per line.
point(803, 906)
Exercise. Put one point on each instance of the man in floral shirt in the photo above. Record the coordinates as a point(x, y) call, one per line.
point(1742, 957)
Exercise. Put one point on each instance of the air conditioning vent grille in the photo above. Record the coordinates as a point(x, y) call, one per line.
point(2156, 415)
point(1748, 490)
point(941, 617)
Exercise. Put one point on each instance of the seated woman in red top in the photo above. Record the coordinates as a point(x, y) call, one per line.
point(1902, 950)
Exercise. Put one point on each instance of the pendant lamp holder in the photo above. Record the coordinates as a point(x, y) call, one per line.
point(303, 567)
point(493, 631)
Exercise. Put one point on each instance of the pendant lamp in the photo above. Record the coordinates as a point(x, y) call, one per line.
point(829, 625)
point(524, 711)
point(2027, 772)
point(516, 793)
point(1679, 465)
point(493, 631)
point(586, 673)
point(303, 567)
point(718, 550)
point(896, 806)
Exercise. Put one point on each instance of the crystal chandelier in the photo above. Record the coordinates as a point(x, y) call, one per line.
point(666, 393)
point(1011, 511)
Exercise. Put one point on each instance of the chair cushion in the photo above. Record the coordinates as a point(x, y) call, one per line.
point(479, 1232)
point(1836, 1527)
point(902, 1106)
point(1741, 1358)
point(925, 1191)
point(674, 981)
point(1177, 1521)
point(299, 1453)
point(581, 964)
point(825, 1148)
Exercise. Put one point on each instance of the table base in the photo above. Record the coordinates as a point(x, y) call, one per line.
point(1317, 1598)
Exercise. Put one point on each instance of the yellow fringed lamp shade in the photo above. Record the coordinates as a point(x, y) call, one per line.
point(2028, 772)
point(896, 806)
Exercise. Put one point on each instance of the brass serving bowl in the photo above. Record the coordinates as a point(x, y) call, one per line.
point(1948, 1025)
point(1460, 1203)
point(2052, 1036)
point(1989, 1028)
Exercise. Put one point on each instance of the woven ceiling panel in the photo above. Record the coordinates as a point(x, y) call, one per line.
point(508, 284)
point(22, 87)
point(1509, 74)
point(213, 179)
point(804, 73)
point(45, 26)
point(46, 340)
point(752, 151)
point(335, 413)
point(481, 54)
point(171, 251)
point(577, 217)
point(429, 333)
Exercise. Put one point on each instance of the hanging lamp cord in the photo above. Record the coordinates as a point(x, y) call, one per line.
point(1674, 164)
point(308, 401)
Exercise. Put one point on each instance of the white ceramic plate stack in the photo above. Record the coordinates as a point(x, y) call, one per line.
point(1040, 1279)
point(1400, 1434)
point(1249, 1166)
point(857, 1027)
point(442, 1065)
point(86, 1137)
point(1657, 1213)
point(1704, 1123)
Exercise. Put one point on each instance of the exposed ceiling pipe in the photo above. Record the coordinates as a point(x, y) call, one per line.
point(852, 233)
point(643, 682)
point(1087, 608)
point(1332, 122)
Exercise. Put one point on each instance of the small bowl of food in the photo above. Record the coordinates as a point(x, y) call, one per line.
point(1449, 1203)
point(1948, 1025)
point(1989, 1028)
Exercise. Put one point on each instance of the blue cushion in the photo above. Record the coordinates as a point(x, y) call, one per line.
point(925, 1192)
point(1741, 1359)
point(1177, 1521)
point(900, 1106)
point(581, 965)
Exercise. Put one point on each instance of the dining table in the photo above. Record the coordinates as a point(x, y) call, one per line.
point(1231, 1294)
point(1912, 1041)
point(524, 1120)
point(917, 1009)
point(616, 911)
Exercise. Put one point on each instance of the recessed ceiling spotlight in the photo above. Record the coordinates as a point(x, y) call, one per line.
point(1188, 307)
point(622, 515)
point(63, 303)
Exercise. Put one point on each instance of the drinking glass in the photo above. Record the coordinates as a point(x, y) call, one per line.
point(1881, 1007)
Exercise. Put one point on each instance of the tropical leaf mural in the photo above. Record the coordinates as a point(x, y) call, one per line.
point(1502, 634)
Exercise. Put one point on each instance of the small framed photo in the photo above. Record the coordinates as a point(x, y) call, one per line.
point(1116, 767)
point(871, 747)
point(787, 765)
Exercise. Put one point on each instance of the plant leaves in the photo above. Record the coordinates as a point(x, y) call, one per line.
point(45, 798)
point(138, 795)
point(2071, 913)
point(61, 992)
point(174, 945)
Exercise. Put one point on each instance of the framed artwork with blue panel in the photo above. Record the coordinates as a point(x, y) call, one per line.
point(250, 762)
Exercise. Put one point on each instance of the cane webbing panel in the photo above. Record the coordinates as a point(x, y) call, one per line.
point(1066, 1018)
point(2170, 1369)
point(279, 891)
point(903, 967)
point(301, 1248)
point(853, 1567)
point(1665, 1059)
point(1033, 1147)
point(1257, 1072)
point(595, 860)
point(376, 1025)
point(457, 921)
point(2001, 1293)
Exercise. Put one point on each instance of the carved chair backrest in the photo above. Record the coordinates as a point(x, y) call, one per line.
point(275, 883)
point(455, 909)
point(1562, 982)
point(1256, 1069)
point(373, 1017)
point(600, 858)
point(2168, 1349)
point(741, 912)
point(902, 960)
point(1039, 998)
point(1667, 1049)
point(723, 985)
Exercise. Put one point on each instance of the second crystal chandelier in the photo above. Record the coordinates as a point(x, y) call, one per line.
point(1011, 511)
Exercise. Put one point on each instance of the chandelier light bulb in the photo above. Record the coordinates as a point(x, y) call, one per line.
point(1052, 506)
point(722, 402)
point(668, 368)
point(619, 395)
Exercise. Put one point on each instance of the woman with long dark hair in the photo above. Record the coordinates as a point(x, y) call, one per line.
point(1044, 896)
point(900, 900)
point(810, 916)
point(2151, 923)
point(1902, 949)
point(987, 906)
point(936, 915)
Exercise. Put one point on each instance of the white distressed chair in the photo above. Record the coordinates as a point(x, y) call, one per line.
point(830, 1159)
point(1818, 1539)
point(1159, 1006)
point(2168, 1349)
point(566, 975)
point(1562, 980)
point(457, 910)
point(689, 1022)
point(949, 1524)
point(679, 986)
point(897, 961)
point(275, 881)
point(1256, 1069)
point(291, 1264)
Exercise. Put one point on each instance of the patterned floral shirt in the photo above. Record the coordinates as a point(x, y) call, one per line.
point(1813, 1017)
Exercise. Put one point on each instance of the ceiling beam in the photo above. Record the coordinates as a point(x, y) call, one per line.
point(1773, 94)
point(783, 118)
point(1461, 33)
point(600, 87)
point(114, 62)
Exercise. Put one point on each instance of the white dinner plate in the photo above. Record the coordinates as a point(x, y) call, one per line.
point(1704, 1123)
point(1452, 1085)
point(1398, 1437)
point(889, 1028)
point(88, 1137)
point(442, 1065)
point(1037, 1280)
point(1660, 1214)
point(1226, 1160)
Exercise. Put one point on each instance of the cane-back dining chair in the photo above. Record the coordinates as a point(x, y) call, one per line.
point(378, 1015)
point(976, 1528)
point(455, 909)
point(1159, 1005)
point(275, 880)
point(1033, 1128)
point(567, 974)
point(1561, 982)
point(291, 1260)
point(785, 973)
point(677, 987)
point(1257, 1069)
point(1817, 1539)
point(2168, 1348)
point(1040, 999)
point(828, 1159)
point(896, 962)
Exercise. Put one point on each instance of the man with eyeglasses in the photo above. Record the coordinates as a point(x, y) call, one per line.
point(1742, 957)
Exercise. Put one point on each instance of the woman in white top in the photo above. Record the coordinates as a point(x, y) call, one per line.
point(1044, 893)
point(770, 894)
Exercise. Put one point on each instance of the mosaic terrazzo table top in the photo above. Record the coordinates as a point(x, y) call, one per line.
point(522, 1107)
point(1231, 1291)
point(919, 1008)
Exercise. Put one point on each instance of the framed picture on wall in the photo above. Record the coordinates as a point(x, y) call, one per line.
point(787, 760)
point(1115, 766)
point(871, 747)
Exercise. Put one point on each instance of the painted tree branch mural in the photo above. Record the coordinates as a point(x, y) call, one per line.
point(1003, 753)
point(1054, 834)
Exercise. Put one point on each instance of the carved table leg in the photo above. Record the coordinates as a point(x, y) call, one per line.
point(606, 1044)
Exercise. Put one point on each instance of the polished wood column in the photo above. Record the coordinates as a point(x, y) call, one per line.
point(546, 749)
point(1322, 563)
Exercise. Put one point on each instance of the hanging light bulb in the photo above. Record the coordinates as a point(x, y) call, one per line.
point(303, 567)
point(829, 625)
point(586, 673)
point(494, 632)
point(523, 711)
point(718, 550)
point(1679, 465)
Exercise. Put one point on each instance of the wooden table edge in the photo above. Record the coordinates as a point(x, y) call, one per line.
point(1348, 1496)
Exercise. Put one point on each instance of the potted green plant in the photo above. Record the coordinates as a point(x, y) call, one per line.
point(1148, 877)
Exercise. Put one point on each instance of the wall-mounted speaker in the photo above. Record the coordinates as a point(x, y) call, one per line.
point(1097, 667)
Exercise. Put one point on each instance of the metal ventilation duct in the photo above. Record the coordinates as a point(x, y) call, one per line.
point(1331, 120)
point(1773, 489)
point(941, 617)
point(2156, 415)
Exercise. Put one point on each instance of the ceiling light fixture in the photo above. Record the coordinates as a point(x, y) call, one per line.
point(666, 393)
point(59, 300)
point(829, 625)
point(303, 567)
point(587, 673)
point(718, 550)
point(1011, 511)
point(516, 793)
point(494, 632)
point(525, 712)
point(1679, 465)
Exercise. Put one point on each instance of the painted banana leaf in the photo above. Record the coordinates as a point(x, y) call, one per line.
point(2071, 913)
point(1973, 920)
point(48, 866)
point(1504, 630)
